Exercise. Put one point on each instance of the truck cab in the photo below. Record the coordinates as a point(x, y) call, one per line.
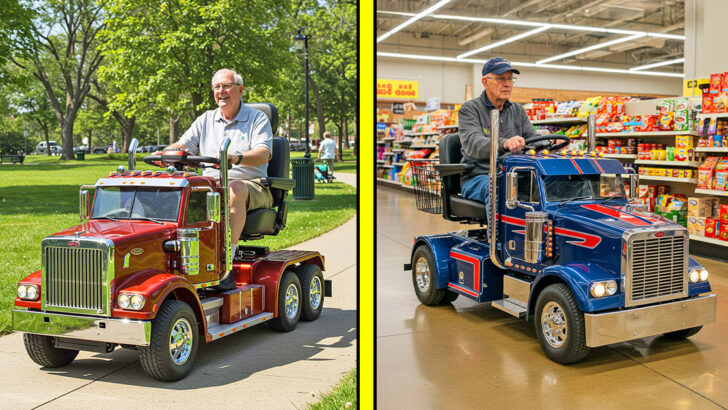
point(565, 247)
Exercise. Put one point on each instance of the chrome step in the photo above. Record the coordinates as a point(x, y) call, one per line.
point(211, 306)
point(511, 306)
point(223, 330)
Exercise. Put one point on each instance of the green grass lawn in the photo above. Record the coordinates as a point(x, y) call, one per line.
point(343, 394)
point(37, 200)
point(348, 165)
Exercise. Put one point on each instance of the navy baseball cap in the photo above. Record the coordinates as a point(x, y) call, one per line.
point(498, 65)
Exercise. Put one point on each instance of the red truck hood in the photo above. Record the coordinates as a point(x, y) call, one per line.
point(121, 231)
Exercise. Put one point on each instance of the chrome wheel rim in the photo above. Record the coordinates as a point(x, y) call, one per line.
point(180, 341)
point(422, 275)
point(314, 293)
point(291, 301)
point(553, 323)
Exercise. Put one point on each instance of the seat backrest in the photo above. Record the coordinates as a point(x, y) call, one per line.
point(450, 153)
point(269, 110)
point(279, 163)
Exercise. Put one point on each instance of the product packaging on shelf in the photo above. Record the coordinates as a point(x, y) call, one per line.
point(711, 227)
point(702, 207)
point(716, 82)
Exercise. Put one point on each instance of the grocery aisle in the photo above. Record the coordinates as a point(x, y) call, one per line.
point(469, 355)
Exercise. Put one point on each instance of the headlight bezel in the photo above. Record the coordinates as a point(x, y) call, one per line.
point(603, 288)
point(126, 301)
point(23, 293)
point(698, 275)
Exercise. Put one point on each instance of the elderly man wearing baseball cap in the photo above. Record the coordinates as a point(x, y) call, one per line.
point(474, 125)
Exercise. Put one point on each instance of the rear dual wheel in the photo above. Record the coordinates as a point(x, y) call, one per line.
point(424, 276)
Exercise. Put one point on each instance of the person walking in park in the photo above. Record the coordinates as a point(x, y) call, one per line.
point(328, 151)
point(251, 146)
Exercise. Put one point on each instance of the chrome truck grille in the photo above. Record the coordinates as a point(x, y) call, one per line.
point(656, 267)
point(76, 275)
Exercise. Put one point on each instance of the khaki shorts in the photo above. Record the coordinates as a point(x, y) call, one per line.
point(258, 195)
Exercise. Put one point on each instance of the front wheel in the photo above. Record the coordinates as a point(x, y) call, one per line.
point(41, 350)
point(289, 303)
point(560, 325)
point(312, 290)
point(173, 348)
point(684, 333)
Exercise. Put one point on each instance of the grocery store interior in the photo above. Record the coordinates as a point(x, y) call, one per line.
point(641, 82)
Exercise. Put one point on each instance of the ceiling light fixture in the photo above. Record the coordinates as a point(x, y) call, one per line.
point(660, 64)
point(519, 64)
point(506, 41)
point(593, 47)
point(413, 19)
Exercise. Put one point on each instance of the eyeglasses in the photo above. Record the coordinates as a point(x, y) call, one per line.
point(504, 80)
point(224, 86)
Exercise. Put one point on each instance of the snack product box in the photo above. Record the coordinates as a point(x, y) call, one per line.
point(700, 226)
point(716, 82)
point(725, 81)
point(702, 207)
point(684, 141)
point(684, 154)
point(707, 103)
point(721, 174)
point(720, 102)
point(706, 172)
point(723, 231)
point(692, 225)
point(667, 121)
point(723, 212)
point(711, 226)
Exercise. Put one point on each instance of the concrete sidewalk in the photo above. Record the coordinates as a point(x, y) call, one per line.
point(256, 368)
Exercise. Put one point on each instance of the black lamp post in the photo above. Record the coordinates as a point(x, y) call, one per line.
point(301, 43)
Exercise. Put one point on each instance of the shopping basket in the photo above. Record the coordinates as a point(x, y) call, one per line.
point(427, 185)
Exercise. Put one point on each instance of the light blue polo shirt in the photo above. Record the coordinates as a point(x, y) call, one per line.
point(249, 129)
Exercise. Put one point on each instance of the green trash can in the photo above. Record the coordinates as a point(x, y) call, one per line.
point(303, 175)
point(80, 155)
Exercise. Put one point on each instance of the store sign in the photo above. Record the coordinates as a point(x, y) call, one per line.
point(397, 89)
point(398, 108)
point(433, 104)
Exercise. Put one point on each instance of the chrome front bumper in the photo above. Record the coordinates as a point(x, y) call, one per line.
point(109, 330)
point(607, 328)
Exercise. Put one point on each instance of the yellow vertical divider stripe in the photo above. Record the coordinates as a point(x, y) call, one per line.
point(367, 90)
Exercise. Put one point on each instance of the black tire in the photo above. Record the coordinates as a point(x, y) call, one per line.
point(560, 325)
point(175, 322)
point(449, 297)
point(41, 350)
point(289, 311)
point(312, 291)
point(424, 273)
point(683, 334)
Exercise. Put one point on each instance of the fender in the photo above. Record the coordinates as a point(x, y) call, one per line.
point(695, 289)
point(440, 246)
point(32, 279)
point(269, 271)
point(155, 286)
point(578, 276)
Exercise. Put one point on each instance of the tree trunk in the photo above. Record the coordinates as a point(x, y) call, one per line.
point(90, 136)
point(319, 108)
point(173, 128)
point(356, 138)
point(341, 136)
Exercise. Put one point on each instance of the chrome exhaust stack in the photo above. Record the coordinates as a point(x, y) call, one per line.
point(132, 154)
point(492, 188)
point(226, 204)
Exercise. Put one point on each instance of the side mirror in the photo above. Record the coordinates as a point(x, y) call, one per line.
point(634, 183)
point(511, 190)
point(213, 207)
point(83, 205)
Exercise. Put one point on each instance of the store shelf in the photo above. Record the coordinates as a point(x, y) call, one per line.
point(388, 139)
point(399, 164)
point(670, 179)
point(621, 156)
point(711, 192)
point(423, 146)
point(406, 141)
point(424, 133)
point(708, 240)
point(381, 161)
point(711, 149)
point(645, 134)
point(713, 115)
point(388, 153)
point(444, 127)
point(566, 120)
point(399, 150)
point(692, 164)
point(394, 183)
point(380, 142)
point(386, 166)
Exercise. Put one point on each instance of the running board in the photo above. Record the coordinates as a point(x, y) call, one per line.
point(223, 330)
point(511, 306)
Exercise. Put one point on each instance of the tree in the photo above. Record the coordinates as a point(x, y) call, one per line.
point(162, 54)
point(67, 31)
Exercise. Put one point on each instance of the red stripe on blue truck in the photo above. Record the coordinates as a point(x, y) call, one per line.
point(462, 289)
point(577, 167)
point(616, 213)
point(476, 267)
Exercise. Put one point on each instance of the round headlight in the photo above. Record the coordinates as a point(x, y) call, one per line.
point(137, 301)
point(31, 292)
point(694, 276)
point(598, 290)
point(611, 287)
point(124, 301)
point(703, 275)
point(22, 291)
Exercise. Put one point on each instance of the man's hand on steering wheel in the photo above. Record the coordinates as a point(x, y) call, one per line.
point(515, 143)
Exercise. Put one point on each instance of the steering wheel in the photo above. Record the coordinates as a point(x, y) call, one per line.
point(551, 146)
point(179, 159)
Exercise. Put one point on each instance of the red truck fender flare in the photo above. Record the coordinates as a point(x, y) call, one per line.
point(268, 272)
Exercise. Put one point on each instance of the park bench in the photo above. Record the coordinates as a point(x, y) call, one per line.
point(12, 158)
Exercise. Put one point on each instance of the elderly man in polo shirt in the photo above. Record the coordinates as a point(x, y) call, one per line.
point(474, 125)
point(250, 150)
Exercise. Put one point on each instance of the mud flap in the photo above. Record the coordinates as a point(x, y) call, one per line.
point(327, 288)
